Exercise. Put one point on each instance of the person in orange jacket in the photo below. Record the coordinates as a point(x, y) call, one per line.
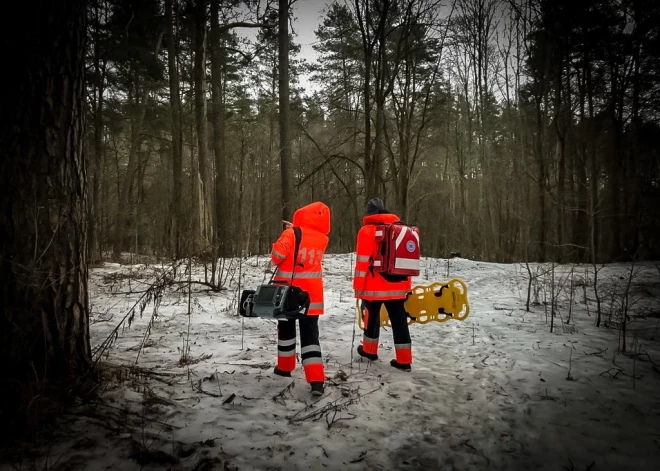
point(314, 222)
point(375, 290)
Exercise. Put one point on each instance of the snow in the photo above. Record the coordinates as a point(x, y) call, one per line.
point(491, 392)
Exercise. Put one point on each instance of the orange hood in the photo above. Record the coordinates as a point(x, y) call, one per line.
point(383, 218)
point(313, 216)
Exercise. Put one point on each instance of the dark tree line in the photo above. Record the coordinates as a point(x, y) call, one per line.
point(507, 130)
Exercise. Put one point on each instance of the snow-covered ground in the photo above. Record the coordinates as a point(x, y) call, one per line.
point(496, 391)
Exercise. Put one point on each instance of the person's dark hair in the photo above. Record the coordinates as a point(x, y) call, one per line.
point(376, 206)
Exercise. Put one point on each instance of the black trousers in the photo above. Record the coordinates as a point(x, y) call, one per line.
point(400, 331)
point(310, 347)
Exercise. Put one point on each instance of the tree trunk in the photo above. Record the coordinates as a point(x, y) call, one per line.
point(285, 143)
point(177, 132)
point(363, 18)
point(614, 167)
point(44, 326)
point(352, 115)
point(380, 96)
point(581, 221)
point(369, 187)
point(560, 130)
point(593, 169)
point(200, 197)
point(95, 251)
point(241, 192)
point(221, 207)
point(541, 183)
point(634, 182)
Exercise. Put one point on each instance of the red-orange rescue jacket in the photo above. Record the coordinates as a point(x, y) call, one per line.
point(368, 284)
point(314, 222)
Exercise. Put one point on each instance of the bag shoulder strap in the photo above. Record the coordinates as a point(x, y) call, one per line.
point(297, 232)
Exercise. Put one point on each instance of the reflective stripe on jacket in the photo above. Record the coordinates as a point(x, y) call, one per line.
point(314, 223)
point(368, 284)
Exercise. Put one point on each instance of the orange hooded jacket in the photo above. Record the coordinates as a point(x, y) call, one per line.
point(368, 284)
point(314, 222)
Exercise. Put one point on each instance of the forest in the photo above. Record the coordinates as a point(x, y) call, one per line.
point(508, 131)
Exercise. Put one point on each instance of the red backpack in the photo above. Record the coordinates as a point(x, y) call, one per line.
point(397, 250)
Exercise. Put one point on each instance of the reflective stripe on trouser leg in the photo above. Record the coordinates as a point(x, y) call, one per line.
point(314, 370)
point(286, 345)
point(403, 353)
point(371, 326)
point(310, 351)
point(369, 345)
point(400, 331)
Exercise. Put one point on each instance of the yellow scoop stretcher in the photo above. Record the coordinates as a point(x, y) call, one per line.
point(437, 302)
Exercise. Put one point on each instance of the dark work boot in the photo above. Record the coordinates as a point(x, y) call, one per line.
point(318, 388)
point(400, 366)
point(370, 356)
point(286, 374)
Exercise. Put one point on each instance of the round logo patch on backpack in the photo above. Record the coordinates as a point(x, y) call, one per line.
point(410, 246)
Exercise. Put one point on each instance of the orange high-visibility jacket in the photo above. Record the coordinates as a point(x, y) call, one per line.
point(368, 284)
point(314, 223)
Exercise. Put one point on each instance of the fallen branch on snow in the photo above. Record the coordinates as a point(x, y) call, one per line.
point(179, 284)
point(198, 387)
point(597, 353)
point(618, 371)
point(188, 360)
point(333, 406)
point(154, 292)
point(331, 421)
point(123, 372)
point(279, 397)
point(641, 356)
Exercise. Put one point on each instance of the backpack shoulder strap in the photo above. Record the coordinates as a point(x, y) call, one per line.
point(297, 232)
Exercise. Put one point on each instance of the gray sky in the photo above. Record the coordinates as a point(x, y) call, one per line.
point(306, 18)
